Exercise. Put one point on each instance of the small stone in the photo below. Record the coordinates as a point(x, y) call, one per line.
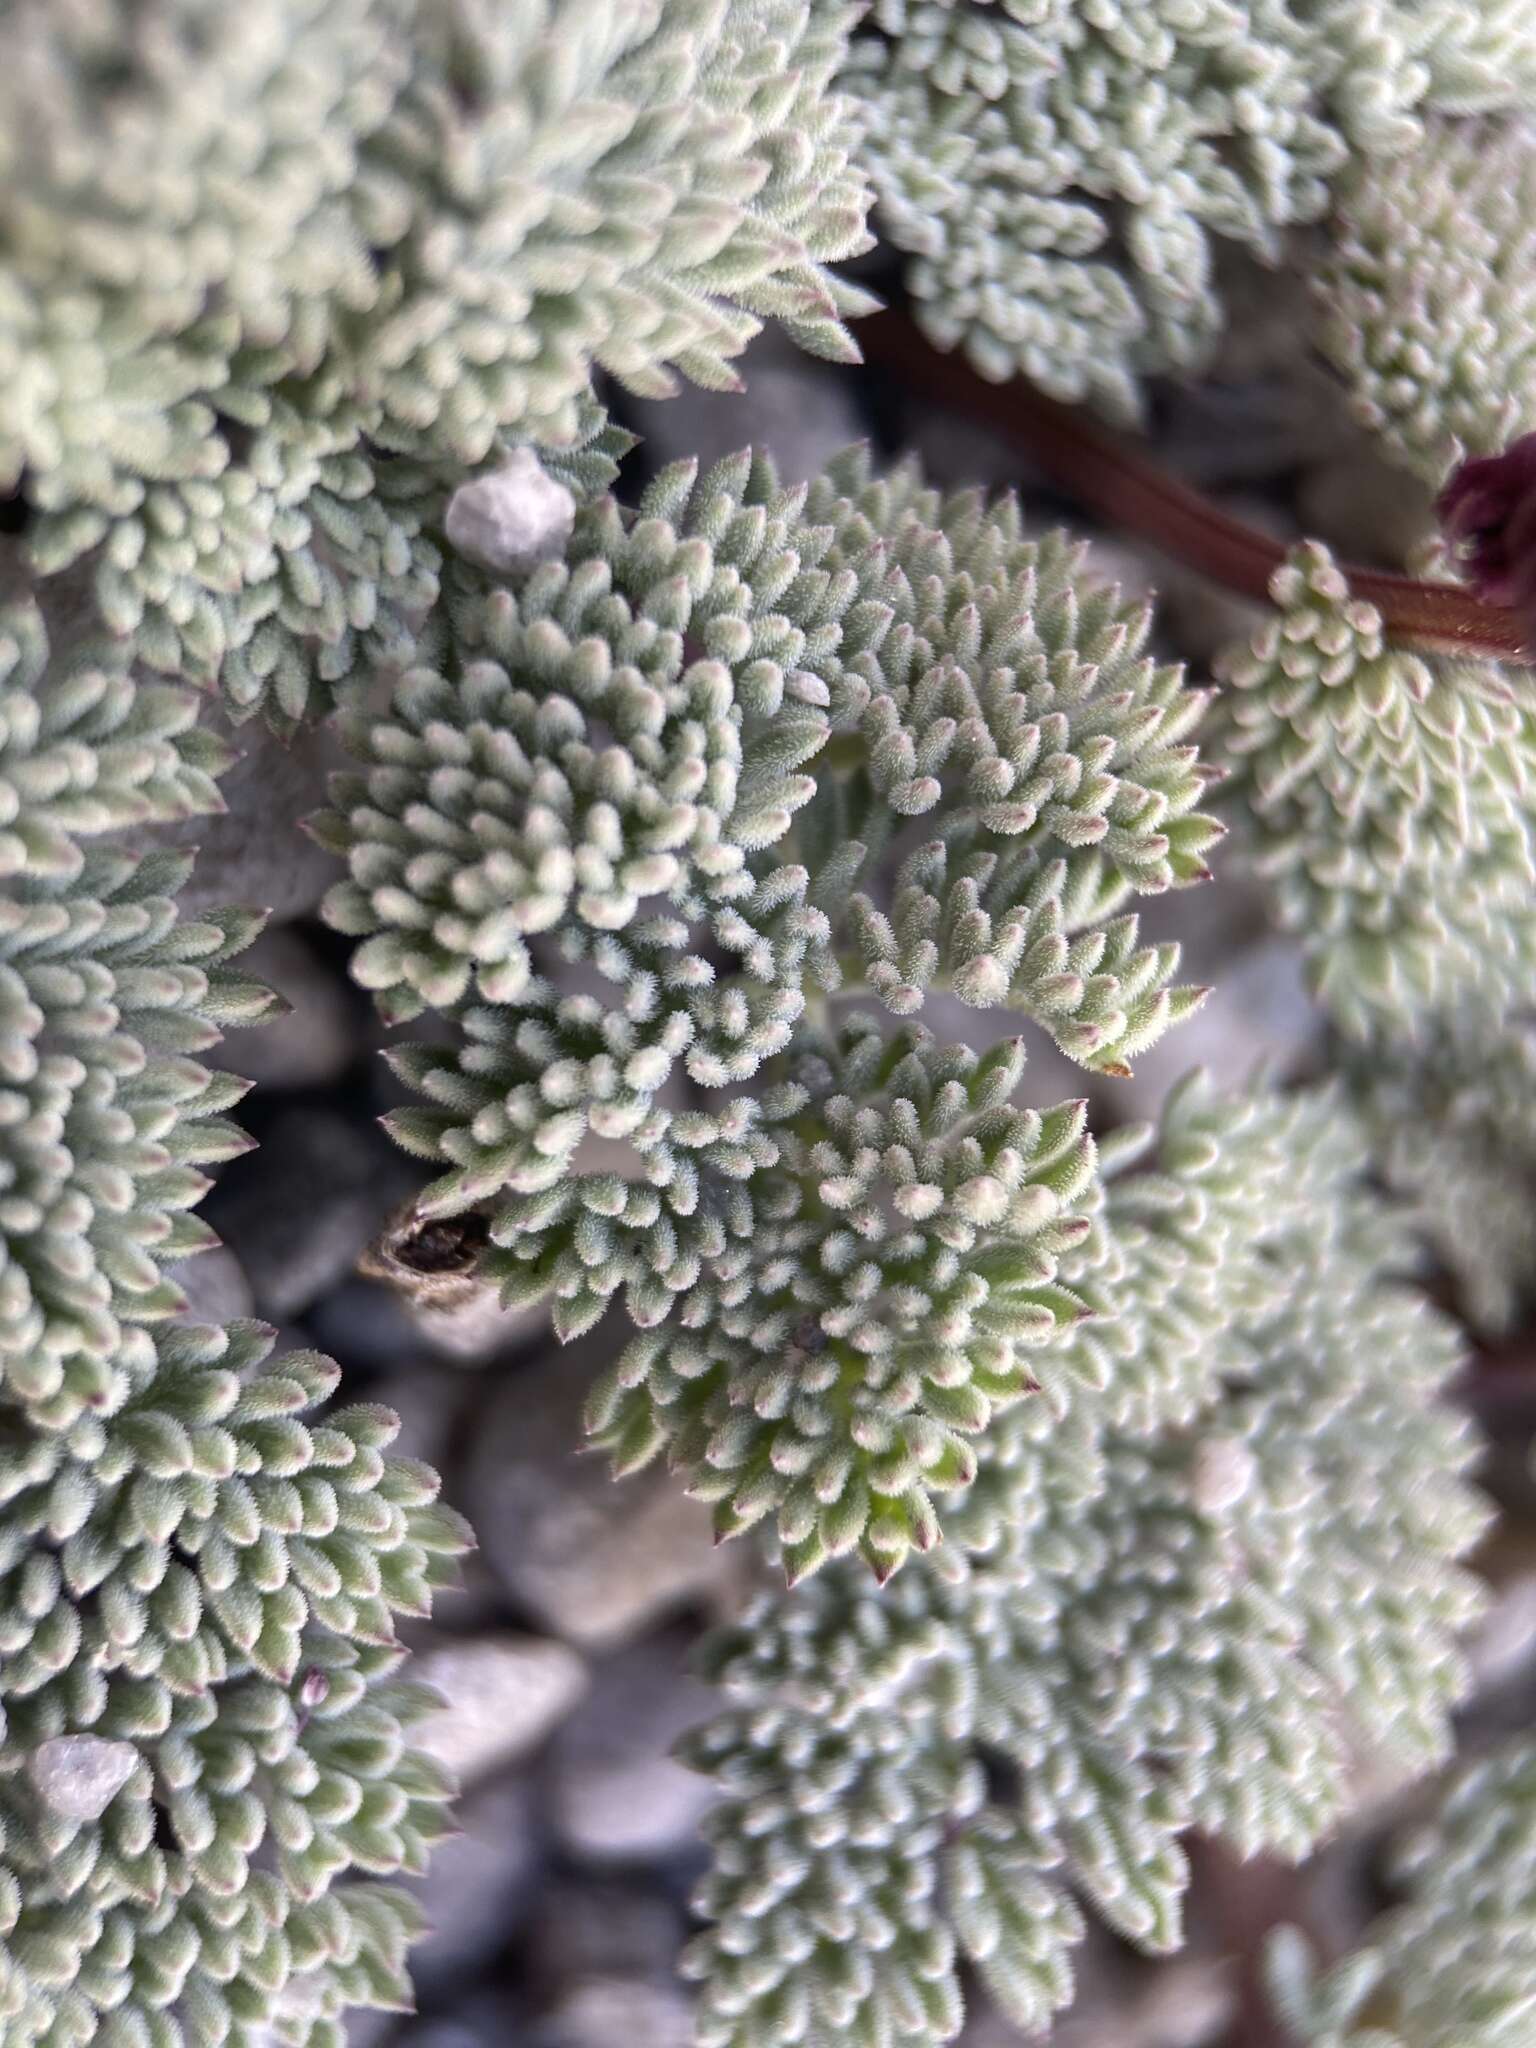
point(1503, 1645)
point(360, 1324)
point(512, 519)
point(255, 852)
point(479, 1329)
point(800, 411)
point(616, 1796)
point(487, 2018)
point(595, 1927)
point(313, 1044)
point(215, 1285)
point(428, 1398)
point(603, 2012)
point(504, 1694)
point(1220, 1473)
point(476, 1887)
point(79, 1776)
point(590, 1558)
point(299, 1211)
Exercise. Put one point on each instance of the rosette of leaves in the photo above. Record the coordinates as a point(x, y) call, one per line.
point(202, 1725)
point(1385, 804)
point(602, 752)
point(1127, 1635)
point(678, 751)
point(683, 761)
point(105, 998)
point(252, 263)
point(1012, 709)
point(891, 1282)
point(198, 1584)
point(1189, 1233)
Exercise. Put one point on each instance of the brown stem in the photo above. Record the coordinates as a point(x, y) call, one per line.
point(1128, 490)
point(1245, 1899)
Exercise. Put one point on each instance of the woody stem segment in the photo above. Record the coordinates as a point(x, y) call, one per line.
point(1109, 476)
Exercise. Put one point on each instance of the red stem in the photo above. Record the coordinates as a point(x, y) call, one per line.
point(1128, 490)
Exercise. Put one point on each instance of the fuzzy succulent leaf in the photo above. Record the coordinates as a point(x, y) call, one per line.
point(106, 998)
point(600, 755)
point(674, 760)
point(203, 1569)
point(678, 751)
point(1452, 1122)
point(1011, 706)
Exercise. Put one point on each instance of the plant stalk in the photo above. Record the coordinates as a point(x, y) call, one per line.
point(1122, 485)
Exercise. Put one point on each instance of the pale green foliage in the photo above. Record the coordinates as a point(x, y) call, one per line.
point(195, 1567)
point(1455, 1965)
point(1012, 706)
point(1453, 1125)
point(95, 755)
point(273, 277)
point(494, 810)
point(105, 998)
point(684, 760)
point(274, 281)
point(1480, 54)
point(1062, 174)
point(1428, 293)
point(727, 709)
point(1173, 1263)
point(878, 1292)
point(1386, 805)
point(1127, 1634)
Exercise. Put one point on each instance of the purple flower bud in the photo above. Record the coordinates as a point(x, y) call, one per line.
point(1487, 511)
point(313, 1688)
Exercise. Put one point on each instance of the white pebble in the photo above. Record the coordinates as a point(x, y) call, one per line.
point(513, 519)
point(80, 1775)
point(1220, 1473)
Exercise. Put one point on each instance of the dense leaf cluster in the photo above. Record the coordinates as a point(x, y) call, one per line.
point(199, 1569)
